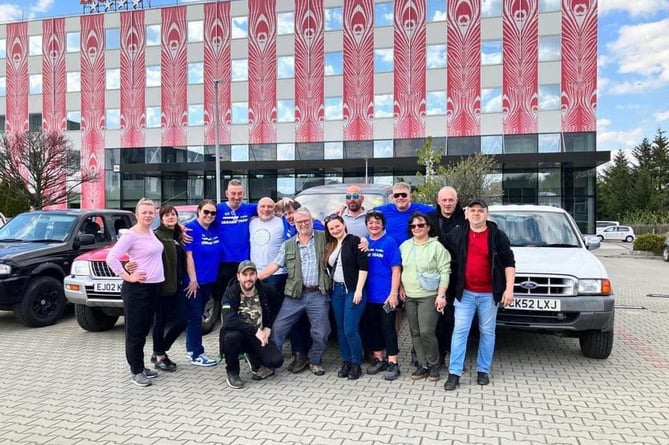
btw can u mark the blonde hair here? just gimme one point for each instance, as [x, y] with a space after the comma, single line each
[144, 202]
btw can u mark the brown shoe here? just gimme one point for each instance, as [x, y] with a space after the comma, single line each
[262, 373]
[317, 369]
[299, 363]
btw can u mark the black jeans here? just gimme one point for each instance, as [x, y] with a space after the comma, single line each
[444, 330]
[226, 272]
[170, 321]
[139, 305]
[379, 331]
[235, 342]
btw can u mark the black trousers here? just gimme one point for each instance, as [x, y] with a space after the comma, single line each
[170, 321]
[139, 305]
[226, 272]
[444, 330]
[234, 343]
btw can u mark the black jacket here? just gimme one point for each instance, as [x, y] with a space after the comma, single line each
[352, 261]
[501, 257]
[442, 225]
[230, 302]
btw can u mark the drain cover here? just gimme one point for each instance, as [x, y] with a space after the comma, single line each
[628, 306]
[658, 295]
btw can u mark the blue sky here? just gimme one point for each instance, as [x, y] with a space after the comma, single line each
[633, 84]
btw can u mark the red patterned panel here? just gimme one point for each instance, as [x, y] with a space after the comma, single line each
[262, 71]
[463, 108]
[133, 79]
[409, 53]
[174, 76]
[217, 67]
[54, 81]
[17, 86]
[520, 66]
[93, 108]
[579, 65]
[309, 70]
[358, 70]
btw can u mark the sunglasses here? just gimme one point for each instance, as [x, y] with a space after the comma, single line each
[330, 217]
[417, 226]
[209, 212]
[400, 195]
[352, 195]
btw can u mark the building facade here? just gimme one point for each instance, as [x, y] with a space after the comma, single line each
[296, 93]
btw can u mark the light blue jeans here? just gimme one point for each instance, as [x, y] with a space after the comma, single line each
[482, 304]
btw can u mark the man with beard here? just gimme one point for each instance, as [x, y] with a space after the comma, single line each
[354, 213]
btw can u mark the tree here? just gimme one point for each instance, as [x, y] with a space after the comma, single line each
[614, 190]
[42, 168]
[470, 176]
[9, 205]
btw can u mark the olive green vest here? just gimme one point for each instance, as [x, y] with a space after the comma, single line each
[293, 262]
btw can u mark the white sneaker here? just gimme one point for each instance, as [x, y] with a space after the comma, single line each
[189, 355]
[203, 360]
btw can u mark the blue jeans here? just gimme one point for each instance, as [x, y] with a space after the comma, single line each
[348, 315]
[482, 304]
[194, 311]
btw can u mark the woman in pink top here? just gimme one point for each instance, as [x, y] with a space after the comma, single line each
[141, 288]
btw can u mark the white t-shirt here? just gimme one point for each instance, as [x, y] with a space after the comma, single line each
[266, 240]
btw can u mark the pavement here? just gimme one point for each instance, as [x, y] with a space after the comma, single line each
[63, 385]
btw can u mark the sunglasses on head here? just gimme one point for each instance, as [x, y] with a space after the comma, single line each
[330, 217]
[209, 212]
[400, 195]
[417, 226]
[352, 195]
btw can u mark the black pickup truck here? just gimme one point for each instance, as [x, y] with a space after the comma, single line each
[36, 253]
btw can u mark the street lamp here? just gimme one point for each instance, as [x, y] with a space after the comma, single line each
[217, 147]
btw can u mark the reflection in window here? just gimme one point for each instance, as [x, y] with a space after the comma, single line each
[153, 35]
[196, 31]
[35, 48]
[240, 113]
[435, 103]
[240, 27]
[383, 14]
[333, 150]
[491, 52]
[152, 117]
[549, 143]
[333, 19]
[285, 186]
[35, 82]
[73, 81]
[334, 64]
[239, 153]
[35, 121]
[549, 5]
[383, 149]
[3, 86]
[3, 48]
[520, 143]
[383, 105]
[549, 48]
[195, 115]
[491, 100]
[73, 120]
[383, 60]
[113, 79]
[436, 10]
[112, 38]
[72, 42]
[113, 119]
[492, 145]
[436, 56]
[333, 108]
[549, 97]
[285, 152]
[153, 76]
[285, 110]
[285, 23]
[195, 73]
[491, 8]
[285, 68]
[240, 70]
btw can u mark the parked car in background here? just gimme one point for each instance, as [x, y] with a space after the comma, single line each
[621, 233]
[322, 200]
[665, 251]
[603, 224]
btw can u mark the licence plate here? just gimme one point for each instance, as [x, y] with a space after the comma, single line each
[534, 304]
[112, 287]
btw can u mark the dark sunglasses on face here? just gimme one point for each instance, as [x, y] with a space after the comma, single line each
[419, 226]
[400, 195]
[209, 212]
[352, 195]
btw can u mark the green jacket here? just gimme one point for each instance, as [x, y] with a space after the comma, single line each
[293, 262]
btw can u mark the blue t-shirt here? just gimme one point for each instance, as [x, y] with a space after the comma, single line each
[383, 254]
[206, 248]
[233, 229]
[397, 223]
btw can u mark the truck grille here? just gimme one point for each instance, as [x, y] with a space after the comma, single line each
[101, 270]
[544, 285]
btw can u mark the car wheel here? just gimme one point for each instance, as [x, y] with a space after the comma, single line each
[629, 239]
[601, 238]
[596, 344]
[212, 312]
[43, 303]
[94, 319]
[665, 254]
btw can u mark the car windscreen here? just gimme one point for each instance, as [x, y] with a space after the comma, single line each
[38, 227]
[542, 229]
[322, 204]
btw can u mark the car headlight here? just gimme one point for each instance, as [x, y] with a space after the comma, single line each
[80, 268]
[5, 269]
[595, 286]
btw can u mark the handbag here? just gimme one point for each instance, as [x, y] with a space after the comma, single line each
[427, 280]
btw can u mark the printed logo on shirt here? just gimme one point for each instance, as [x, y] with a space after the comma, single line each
[234, 219]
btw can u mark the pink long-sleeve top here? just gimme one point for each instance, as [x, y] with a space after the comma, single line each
[145, 250]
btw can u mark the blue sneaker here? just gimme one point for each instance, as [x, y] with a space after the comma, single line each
[203, 360]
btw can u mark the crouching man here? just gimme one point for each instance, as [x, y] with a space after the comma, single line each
[246, 326]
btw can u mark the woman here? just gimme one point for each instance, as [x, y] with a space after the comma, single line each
[348, 268]
[171, 309]
[426, 267]
[202, 260]
[141, 288]
[383, 282]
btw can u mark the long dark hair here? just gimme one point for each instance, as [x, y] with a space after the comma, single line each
[167, 209]
[330, 241]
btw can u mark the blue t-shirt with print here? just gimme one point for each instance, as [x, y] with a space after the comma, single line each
[206, 248]
[383, 254]
[397, 223]
[233, 228]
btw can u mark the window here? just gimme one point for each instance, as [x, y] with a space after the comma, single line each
[436, 56]
[285, 186]
[113, 79]
[153, 76]
[383, 105]
[285, 110]
[35, 121]
[73, 45]
[73, 120]
[3, 86]
[113, 119]
[549, 48]
[383, 60]
[491, 52]
[2, 123]
[240, 27]
[285, 67]
[285, 152]
[112, 38]
[240, 70]
[520, 143]
[153, 35]
[152, 117]
[333, 150]
[435, 103]
[491, 100]
[436, 10]
[491, 8]
[3, 49]
[549, 97]
[285, 23]
[549, 5]
[383, 149]
[334, 19]
[239, 153]
[492, 145]
[334, 64]
[240, 113]
[195, 73]
[35, 46]
[35, 82]
[333, 108]
[549, 143]
[196, 31]
[73, 81]
[195, 115]
[383, 14]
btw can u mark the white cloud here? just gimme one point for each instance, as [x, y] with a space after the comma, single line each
[662, 116]
[11, 13]
[609, 140]
[643, 50]
[636, 8]
[41, 6]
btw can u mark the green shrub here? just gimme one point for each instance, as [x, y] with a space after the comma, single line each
[650, 242]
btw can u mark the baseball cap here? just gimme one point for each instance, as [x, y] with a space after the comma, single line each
[478, 201]
[246, 264]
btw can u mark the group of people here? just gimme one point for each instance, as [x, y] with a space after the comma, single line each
[278, 275]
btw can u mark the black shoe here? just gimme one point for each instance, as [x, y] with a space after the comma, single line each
[299, 364]
[356, 372]
[393, 372]
[345, 370]
[483, 378]
[434, 373]
[166, 365]
[153, 358]
[452, 382]
[421, 372]
[378, 366]
[234, 381]
[414, 358]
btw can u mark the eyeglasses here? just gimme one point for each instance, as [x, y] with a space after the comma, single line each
[330, 217]
[302, 222]
[352, 195]
[400, 195]
[417, 226]
[209, 212]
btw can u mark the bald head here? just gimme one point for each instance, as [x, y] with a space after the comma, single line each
[354, 199]
[265, 209]
[447, 198]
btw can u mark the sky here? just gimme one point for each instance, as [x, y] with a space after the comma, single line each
[633, 63]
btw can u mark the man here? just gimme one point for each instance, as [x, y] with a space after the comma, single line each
[449, 214]
[354, 213]
[398, 212]
[307, 288]
[484, 274]
[247, 317]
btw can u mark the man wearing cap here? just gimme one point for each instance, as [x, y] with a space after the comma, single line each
[247, 318]
[484, 274]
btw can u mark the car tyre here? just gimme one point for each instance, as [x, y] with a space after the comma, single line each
[210, 316]
[43, 303]
[601, 238]
[596, 344]
[629, 239]
[94, 319]
[665, 254]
